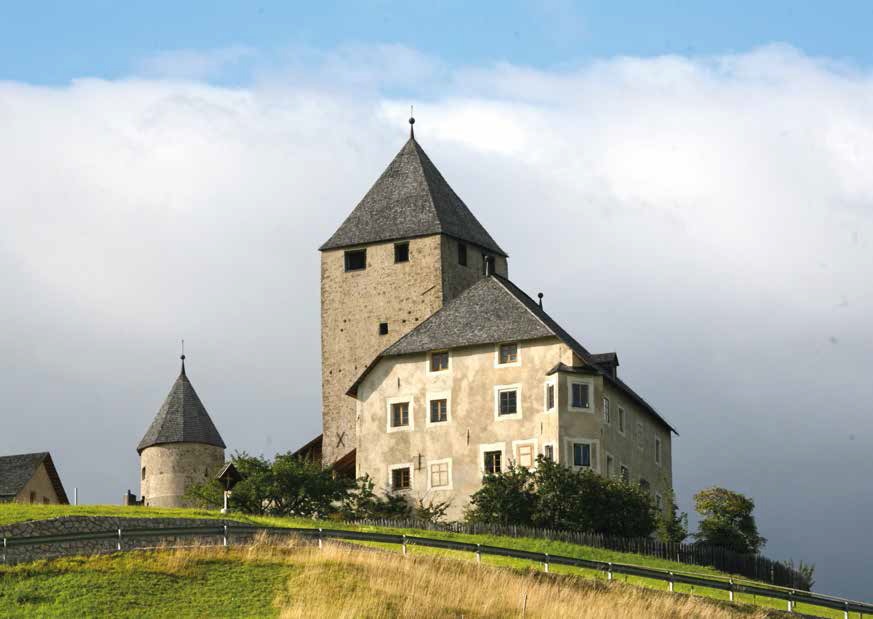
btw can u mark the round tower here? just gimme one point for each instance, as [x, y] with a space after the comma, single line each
[181, 448]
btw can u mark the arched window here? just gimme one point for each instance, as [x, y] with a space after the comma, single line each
[143, 473]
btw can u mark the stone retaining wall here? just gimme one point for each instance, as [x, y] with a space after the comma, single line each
[67, 525]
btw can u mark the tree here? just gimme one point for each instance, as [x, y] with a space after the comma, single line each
[672, 525]
[507, 498]
[727, 520]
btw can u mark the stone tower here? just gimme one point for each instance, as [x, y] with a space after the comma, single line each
[407, 248]
[181, 448]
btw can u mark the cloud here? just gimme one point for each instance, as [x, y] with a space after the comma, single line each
[196, 64]
[710, 219]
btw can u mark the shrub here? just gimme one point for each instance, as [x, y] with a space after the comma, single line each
[672, 525]
[727, 520]
[361, 502]
[506, 498]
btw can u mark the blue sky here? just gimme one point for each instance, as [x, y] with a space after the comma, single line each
[54, 42]
[712, 164]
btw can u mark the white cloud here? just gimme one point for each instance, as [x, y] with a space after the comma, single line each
[709, 218]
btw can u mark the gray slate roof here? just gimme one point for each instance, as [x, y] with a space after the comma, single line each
[182, 418]
[410, 199]
[17, 470]
[496, 310]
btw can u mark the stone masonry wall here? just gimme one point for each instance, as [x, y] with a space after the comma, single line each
[67, 525]
[170, 470]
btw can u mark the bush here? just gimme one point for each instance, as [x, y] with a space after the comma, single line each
[361, 502]
[554, 496]
[672, 526]
[727, 520]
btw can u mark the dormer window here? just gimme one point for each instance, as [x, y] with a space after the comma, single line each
[508, 354]
[401, 252]
[356, 260]
[439, 361]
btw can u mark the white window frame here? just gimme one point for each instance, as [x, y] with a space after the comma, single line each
[595, 455]
[394, 467]
[437, 372]
[606, 460]
[556, 453]
[622, 420]
[554, 385]
[438, 395]
[576, 381]
[659, 446]
[533, 451]
[518, 408]
[400, 400]
[501, 447]
[430, 475]
[515, 363]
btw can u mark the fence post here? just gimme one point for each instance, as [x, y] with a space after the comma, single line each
[791, 601]
[609, 572]
[118, 545]
[4, 550]
[478, 553]
[546, 564]
[225, 536]
[670, 583]
[320, 543]
[404, 544]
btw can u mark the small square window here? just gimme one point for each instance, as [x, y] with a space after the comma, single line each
[439, 361]
[439, 411]
[400, 478]
[549, 452]
[508, 404]
[383, 328]
[439, 475]
[462, 254]
[579, 393]
[508, 353]
[550, 396]
[401, 252]
[525, 455]
[581, 454]
[356, 260]
[400, 414]
[492, 462]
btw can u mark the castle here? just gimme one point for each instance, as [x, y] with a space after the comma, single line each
[436, 368]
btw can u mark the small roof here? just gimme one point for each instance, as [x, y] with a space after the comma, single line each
[182, 418]
[495, 310]
[410, 199]
[229, 475]
[17, 470]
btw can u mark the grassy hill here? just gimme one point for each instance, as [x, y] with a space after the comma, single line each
[16, 513]
[293, 580]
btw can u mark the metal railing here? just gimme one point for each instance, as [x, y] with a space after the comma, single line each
[732, 586]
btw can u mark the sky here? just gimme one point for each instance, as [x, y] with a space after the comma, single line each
[690, 188]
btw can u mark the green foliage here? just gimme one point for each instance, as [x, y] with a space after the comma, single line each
[507, 498]
[431, 511]
[361, 502]
[727, 520]
[672, 525]
[806, 571]
[287, 486]
[554, 496]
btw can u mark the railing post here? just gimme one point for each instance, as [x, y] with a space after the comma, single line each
[846, 611]
[404, 544]
[546, 564]
[478, 553]
[225, 536]
[4, 550]
[118, 545]
[790, 601]
[609, 572]
[731, 590]
[320, 542]
[670, 583]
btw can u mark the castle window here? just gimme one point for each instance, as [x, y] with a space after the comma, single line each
[550, 396]
[606, 418]
[507, 354]
[621, 420]
[400, 414]
[657, 451]
[441, 474]
[462, 254]
[401, 478]
[356, 260]
[508, 402]
[582, 454]
[549, 452]
[610, 466]
[492, 462]
[580, 396]
[439, 411]
[439, 361]
[524, 454]
[625, 474]
[383, 328]
[401, 252]
[143, 473]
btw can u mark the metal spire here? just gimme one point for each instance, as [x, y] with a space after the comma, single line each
[182, 357]
[411, 124]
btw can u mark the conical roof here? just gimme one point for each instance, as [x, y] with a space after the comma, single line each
[182, 418]
[410, 199]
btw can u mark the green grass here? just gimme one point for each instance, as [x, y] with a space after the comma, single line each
[17, 512]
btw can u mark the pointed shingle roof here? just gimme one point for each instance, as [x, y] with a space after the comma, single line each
[410, 199]
[17, 470]
[182, 418]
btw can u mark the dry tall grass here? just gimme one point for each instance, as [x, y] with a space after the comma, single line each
[348, 582]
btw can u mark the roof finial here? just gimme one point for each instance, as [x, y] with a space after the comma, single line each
[411, 123]
[540, 295]
[182, 357]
